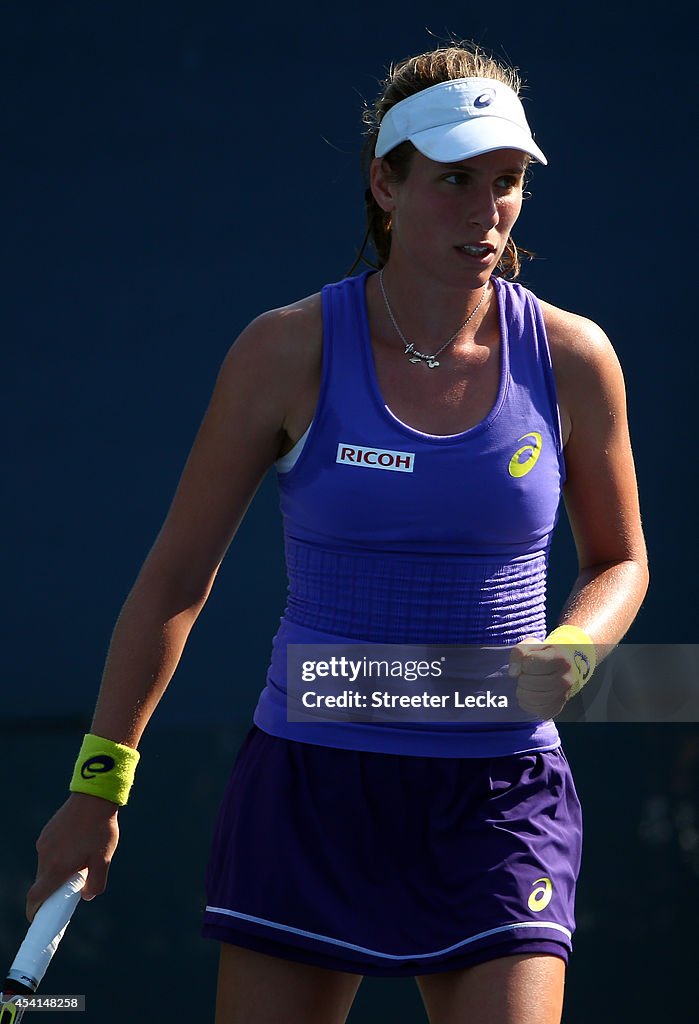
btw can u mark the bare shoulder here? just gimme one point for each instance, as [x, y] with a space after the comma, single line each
[574, 338]
[276, 363]
[586, 367]
[283, 339]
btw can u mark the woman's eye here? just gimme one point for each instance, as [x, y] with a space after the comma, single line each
[505, 182]
[508, 181]
[457, 178]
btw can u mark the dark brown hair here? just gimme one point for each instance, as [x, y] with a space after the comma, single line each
[467, 60]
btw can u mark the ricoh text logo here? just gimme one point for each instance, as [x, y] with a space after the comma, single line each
[375, 458]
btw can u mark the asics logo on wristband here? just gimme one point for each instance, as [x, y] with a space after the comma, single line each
[95, 766]
[582, 664]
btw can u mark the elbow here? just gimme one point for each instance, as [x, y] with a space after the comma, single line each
[645, 576]
[638, 572]
[174, 590]
[640, 560]
[637, 578]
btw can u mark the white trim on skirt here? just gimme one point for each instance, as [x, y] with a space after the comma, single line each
[539, 925]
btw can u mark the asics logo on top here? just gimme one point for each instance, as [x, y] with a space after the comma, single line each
[526, 457]
[375, 458]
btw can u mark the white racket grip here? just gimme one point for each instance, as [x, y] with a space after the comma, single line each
[45, 932]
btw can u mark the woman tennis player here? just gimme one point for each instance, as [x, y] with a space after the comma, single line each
[423, 420]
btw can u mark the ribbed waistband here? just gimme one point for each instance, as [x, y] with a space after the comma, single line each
[397, 598]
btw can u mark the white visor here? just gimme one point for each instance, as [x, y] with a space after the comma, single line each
[459, 119]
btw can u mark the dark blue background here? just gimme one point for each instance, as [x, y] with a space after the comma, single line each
[172, 169]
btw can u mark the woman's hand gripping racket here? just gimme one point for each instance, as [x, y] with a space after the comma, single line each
[41, 941]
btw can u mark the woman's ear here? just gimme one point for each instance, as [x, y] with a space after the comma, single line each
[382, 187]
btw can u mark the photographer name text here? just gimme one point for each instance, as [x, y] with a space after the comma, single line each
[384, 699]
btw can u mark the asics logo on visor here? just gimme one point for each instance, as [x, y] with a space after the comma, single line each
[485, 99]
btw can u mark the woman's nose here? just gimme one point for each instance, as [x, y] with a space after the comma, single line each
[484, 211]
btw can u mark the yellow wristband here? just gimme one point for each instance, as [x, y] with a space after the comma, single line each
[584, 654]
[105, 769]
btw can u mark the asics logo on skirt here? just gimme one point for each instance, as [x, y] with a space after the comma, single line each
[375, 458]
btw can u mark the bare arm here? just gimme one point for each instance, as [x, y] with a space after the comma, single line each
[601, 493]
[252, 417]
[601, 498]
[234, 447]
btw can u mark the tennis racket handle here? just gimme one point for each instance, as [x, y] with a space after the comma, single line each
[43, 936]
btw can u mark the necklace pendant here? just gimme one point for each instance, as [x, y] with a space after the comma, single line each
[410, 351]
[419, 357]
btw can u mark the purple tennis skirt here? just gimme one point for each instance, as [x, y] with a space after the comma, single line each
[384, 864]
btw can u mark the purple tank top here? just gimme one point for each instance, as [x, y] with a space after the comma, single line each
[397, 536]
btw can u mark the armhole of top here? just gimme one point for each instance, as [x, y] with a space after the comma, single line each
[285, 463]
[549, 379]
[288, 463]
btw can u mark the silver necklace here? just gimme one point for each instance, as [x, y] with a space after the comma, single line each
[410, 351]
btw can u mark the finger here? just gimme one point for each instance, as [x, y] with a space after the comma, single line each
[519, 652]
[534, 703]
[535, 696]
[44, 886]
[538, 684]
[96, 879]
[547, 661]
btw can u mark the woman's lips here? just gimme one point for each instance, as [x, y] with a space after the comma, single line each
[480, 252]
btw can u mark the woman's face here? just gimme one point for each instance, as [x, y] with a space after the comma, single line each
[453, 220]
